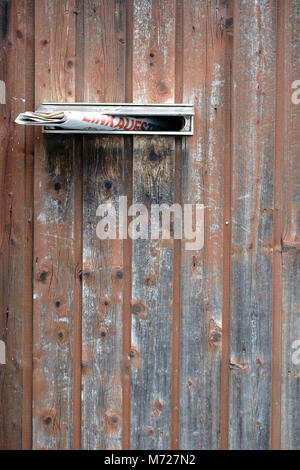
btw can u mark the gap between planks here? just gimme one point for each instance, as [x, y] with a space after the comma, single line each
[78, 228]
[127, 243]
[176, 330]
[281, 43]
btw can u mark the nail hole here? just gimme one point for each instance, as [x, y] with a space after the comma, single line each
[107, 184]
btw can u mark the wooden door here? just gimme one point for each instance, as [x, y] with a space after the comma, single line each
[143, 344]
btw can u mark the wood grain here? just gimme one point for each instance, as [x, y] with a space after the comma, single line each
[15, 226]
[143, 344]
[54, 249]
[203, 167]
[102, 299]
[152, 261]
[28, 238]
[153, 51]
[252, 229]
[103, 270]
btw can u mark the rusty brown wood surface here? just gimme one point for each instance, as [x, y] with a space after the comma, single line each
[16, 225]
[143, 344]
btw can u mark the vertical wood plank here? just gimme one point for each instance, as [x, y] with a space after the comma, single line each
[54, 247]
[15, 224]
[154, 51]
[152, 272]
[252, 237]
[290, 229]
[153, 183]
[104, 75]
[102, 298]
[203, 168]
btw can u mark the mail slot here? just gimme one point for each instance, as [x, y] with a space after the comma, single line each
[137, 119]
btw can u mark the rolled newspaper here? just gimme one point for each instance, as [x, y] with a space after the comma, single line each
[93, 121]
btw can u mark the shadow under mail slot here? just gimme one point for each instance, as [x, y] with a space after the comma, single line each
[86, 121]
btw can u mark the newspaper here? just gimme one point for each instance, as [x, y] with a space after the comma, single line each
[93, 121]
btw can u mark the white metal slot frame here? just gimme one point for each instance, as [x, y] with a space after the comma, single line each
[126, 109]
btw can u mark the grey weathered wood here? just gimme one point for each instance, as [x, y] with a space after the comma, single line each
[152, 273]
[54, 277]
[102, 276]
[252, 223]
[153, 183]
[201, 333]
[102, 279]
[54, 252]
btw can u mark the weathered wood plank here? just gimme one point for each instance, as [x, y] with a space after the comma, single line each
[54, 252]
[203, 167]
[153, 183]
[252, 229]
[152, 272]
[104, 75]
[154, 51]
[102, 299]
[290, 215]
[15, 224]
[54, 279]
